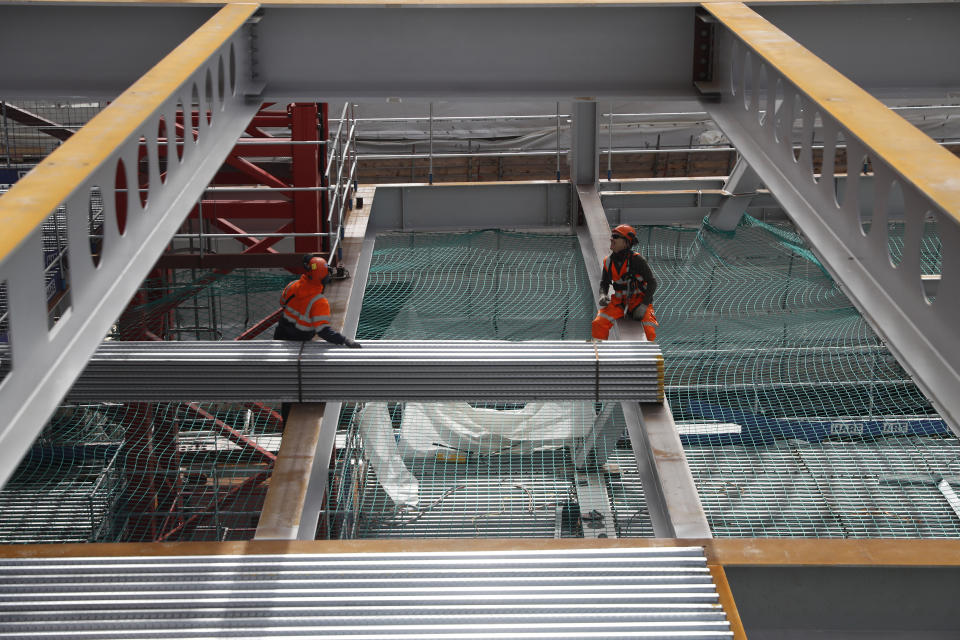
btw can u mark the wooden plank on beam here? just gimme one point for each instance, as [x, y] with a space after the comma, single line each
[283, 506]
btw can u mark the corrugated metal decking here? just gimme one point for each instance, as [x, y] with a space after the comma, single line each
[582, 593]
[276, 371]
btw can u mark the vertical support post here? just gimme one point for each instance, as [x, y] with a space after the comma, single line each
[430, 173]
[305, 172]
[6, 132]
[323, 125]
[558, 142]
[584, 157]
[610, 145]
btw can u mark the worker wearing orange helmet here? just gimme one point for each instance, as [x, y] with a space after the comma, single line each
[306, 311]
[633, 286]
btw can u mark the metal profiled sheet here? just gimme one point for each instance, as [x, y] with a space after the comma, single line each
[578, 593]
[441, 370]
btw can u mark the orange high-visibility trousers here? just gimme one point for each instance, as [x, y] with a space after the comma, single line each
[602, 324]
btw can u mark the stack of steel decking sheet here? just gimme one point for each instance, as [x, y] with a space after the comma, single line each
[277, 371]
[564, 593]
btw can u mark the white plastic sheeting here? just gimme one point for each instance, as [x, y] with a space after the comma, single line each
[427, 428]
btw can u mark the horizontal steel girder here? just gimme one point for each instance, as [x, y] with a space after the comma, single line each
[467, 52]
[771, 90]
[278, 371]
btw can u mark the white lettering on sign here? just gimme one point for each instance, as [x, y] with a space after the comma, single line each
[897, 428]
[846, 428]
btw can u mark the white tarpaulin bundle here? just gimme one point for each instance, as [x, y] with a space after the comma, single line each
[455, 426]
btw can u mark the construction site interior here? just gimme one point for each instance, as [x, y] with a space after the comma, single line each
[804, 408]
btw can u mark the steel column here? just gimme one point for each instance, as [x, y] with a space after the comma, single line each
[584, 147]
[773, 90]
[305, 169]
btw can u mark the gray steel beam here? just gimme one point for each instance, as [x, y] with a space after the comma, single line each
[467, 52]
[99, 52]
[740, 191]
[416, 370]
[671, 493]
[481, 52]
[891, 50]
[761, 69]
[211, 68]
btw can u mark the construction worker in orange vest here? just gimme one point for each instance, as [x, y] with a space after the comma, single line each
[633, 286]
[306, 311]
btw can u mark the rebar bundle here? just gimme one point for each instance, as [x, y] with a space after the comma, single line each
[454, 370]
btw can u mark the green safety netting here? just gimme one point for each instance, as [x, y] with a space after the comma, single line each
[482, 470]
[167, 471]
[795, 417]
[193, 304]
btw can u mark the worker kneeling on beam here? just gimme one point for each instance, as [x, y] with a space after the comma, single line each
[633, 286]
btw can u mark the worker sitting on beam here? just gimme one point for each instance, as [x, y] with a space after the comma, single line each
[633, 286]
[306, 311]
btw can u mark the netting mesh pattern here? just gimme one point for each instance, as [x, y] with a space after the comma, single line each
[142, 472]
[167, 471]
[795, 418]
[484, 285]
[490, 470]
[194, 304]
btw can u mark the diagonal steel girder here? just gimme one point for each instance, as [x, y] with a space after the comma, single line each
[210, 68]
[772, 91]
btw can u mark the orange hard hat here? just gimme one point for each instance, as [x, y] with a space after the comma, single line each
[316, 268]
[626, 231]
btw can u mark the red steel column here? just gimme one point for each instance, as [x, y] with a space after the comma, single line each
[324, 134]
[305, 172]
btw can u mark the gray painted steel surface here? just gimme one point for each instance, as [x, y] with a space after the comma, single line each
[671, 493]
[487, 51]
[102, 278]
[382, 370]
[588, 593]
[849, 240]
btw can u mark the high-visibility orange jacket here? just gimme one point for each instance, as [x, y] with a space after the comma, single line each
[630, 276]
[306, 312]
